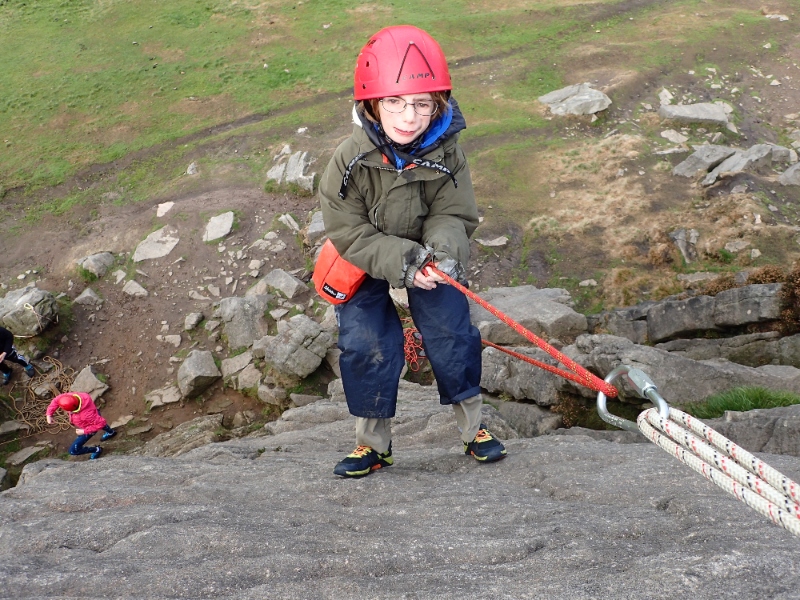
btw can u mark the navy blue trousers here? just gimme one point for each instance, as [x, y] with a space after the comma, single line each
[371, 340]
[78, 448]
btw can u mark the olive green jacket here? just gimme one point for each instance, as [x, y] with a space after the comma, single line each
[389, 221]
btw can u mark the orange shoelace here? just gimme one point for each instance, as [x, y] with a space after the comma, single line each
[361, 451]
[483, 436]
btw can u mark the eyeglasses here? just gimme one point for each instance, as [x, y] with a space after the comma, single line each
[424, 108]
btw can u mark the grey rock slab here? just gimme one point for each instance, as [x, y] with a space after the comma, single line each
[97, 264]
[87, 382]
[704, 158]
[544, 312]
[287, 284]
[28, 311]
[790, 176]
[295, 171]
[578, 99]
[679, 379]
[686, 241]
[249, 378]
[754, 158]
[299, 347]
[529, 420]
[680, 317]
[304, 399]
[197, 372]
[503, 373]
[218, 226]
[276, 172]
[316, 229]
[703, 112]
[157, 245]
[274, 395]
[21, 456]
[774, 430]
[192, 320]
[233, 365]
[13, 427]
[183, 438]
[753, 350]
[563, 517]
[242, 319]
[132, 288]
[748, 304]
[167, 395]
[88, 297]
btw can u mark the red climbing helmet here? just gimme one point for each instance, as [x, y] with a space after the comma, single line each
[400, 60]
[69, 402]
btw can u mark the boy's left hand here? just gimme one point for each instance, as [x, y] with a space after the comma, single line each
[80, 431]
[2, 356]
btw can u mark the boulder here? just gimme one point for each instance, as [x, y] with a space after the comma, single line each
[157, 245]
[218, 227]
[88, 383]
[704, 158]
[299, 347]
[748, 304]
[703, 112]
[243, 319]
[197, 372]
[97, 264]
[578, 99]
[545, 312]
[28, 311]
[680, 318]
[183, 438]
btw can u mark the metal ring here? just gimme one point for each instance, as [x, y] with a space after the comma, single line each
[644, 387]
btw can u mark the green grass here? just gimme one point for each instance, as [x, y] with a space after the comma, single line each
[103, 80]
[740, 399]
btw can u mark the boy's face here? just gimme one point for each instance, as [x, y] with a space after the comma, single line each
[407, 125]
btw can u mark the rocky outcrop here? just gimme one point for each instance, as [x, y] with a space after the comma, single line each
[264, 516]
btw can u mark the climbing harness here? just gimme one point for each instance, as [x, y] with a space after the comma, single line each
[738, 472]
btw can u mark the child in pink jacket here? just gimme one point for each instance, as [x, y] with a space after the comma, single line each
[83, 414]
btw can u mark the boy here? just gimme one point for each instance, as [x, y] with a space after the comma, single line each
[83, 414]
[397, 196]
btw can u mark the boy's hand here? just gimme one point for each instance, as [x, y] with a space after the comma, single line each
[79, 431]
[49, 420]
[2, 356]
[426, 279]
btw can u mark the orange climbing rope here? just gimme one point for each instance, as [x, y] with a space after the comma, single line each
[412, 347]
[576, 372]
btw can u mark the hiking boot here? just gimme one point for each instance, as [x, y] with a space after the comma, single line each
[363, 461]
[30, 371]
[6, 378]
[108, 435]
[96, 453]
[484, 447]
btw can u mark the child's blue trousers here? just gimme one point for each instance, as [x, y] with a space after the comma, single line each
[78, 448]
[371, 340]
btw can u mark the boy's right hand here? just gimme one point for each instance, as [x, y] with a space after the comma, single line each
[2, 356]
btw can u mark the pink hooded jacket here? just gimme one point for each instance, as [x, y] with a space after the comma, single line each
[87, 417]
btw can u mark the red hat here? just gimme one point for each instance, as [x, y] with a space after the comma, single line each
[400, 60]
[69, 402]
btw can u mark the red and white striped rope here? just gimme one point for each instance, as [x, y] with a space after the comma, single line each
[722, 462]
